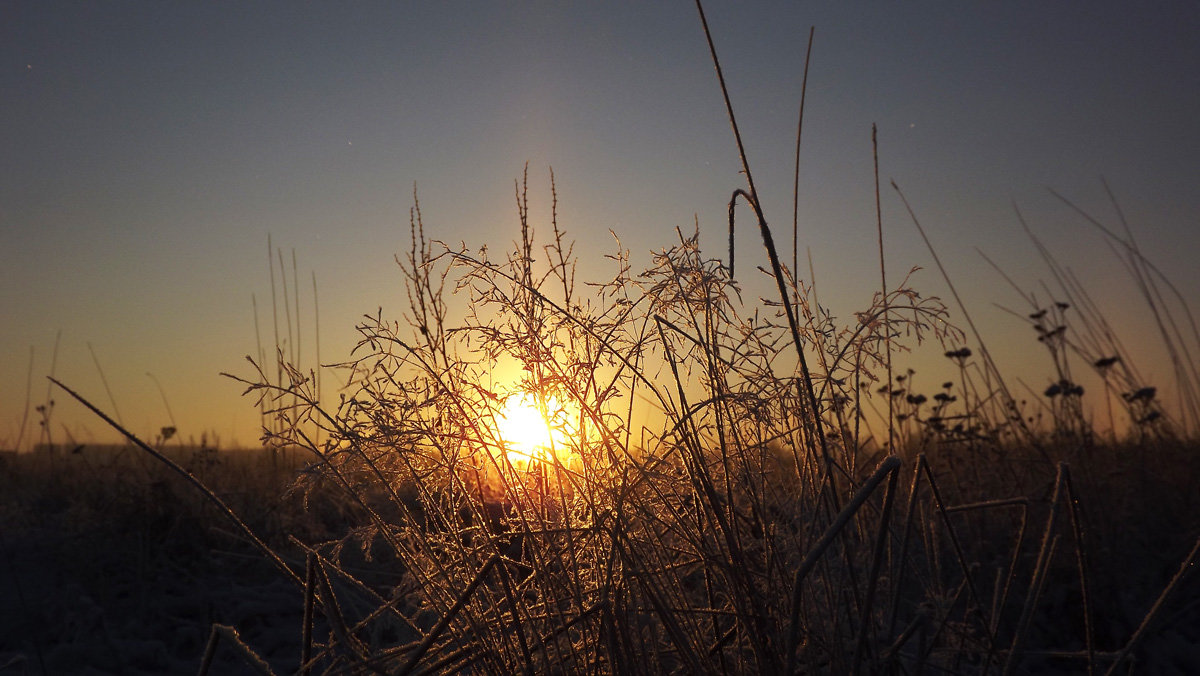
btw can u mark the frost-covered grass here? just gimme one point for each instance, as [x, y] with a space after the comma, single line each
[695, 515]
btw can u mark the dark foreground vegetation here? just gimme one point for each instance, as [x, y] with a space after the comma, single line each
[119, 566]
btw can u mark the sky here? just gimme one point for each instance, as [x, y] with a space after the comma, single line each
[148, 151]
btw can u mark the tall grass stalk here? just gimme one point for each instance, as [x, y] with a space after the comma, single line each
[28, 401]
[45, 410]
[799, 135]
[883, 286]
[104, 381]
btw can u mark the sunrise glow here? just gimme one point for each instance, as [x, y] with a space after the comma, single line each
[526, 433]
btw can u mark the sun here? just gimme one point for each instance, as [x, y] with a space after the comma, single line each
[526, 434]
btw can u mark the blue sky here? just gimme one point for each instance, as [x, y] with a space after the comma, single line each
[148, 149]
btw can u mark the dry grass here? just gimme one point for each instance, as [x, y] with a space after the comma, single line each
[729, 529]
[736, 486]
[732, 529]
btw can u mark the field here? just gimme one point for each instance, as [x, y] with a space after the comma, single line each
[112, 564]
[668, 470]
[115, 565]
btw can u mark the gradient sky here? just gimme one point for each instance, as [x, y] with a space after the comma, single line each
[148, 149]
